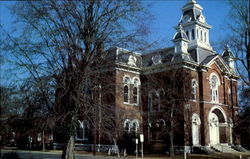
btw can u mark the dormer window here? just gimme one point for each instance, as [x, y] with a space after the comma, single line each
[214, 84]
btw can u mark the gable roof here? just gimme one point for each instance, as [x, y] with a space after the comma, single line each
[219, 61]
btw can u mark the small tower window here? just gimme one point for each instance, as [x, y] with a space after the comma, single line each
[192, 34]
[187, 34]
[201, 36]
[197, 34]
[205, 38]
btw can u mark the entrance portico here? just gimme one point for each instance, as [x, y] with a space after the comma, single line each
[217, 121]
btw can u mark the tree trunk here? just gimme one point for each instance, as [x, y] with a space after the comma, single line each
[68, 151]
[171, 136]
[171, 133]
[43, 141]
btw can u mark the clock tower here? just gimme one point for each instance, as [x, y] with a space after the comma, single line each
[195, 26]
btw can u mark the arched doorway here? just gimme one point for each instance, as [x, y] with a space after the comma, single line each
[217, 126]
[214, 129]
[196, 122]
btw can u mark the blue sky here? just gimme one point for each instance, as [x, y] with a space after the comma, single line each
[166, 15]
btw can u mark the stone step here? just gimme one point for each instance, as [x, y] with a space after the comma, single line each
[224, 148]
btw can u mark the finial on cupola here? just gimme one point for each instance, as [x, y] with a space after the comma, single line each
[180, 40]
[227, 55]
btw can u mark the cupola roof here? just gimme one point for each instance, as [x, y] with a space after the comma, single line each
[180, 34]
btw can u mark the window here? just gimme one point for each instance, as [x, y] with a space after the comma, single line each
[192, 34]
[197, 34]
[127, 125]
[39, 136]
[214, 83]
[51, 137]
[161, 98]
[229, 95]
[205, 38]
[155, 101]
[201, 35]
[131, 126]
[135, 90]
[126, 94]
[82, 130]
[135, 95]
[134, 126]
[187, 34]
[194, 89]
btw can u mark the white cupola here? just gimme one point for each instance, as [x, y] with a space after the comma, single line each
[227, 55]
[195, 26]
[180, 40]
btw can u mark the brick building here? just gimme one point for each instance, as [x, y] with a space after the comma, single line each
[207, 97]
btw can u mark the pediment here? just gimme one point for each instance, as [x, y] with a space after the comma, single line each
[220, 64]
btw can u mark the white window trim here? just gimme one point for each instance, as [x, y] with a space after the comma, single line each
[194, 84]
[150, 105]
[138, 89]
[129, 123]
[83, 124]
[136, 121]
[128, 85]
[159, 91]
[214, 90]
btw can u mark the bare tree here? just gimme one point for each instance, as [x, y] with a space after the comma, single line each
[166, 107]
[65, 41]
[239, 37]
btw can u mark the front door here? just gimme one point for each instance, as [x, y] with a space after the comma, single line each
[195, 134]
[214, 129]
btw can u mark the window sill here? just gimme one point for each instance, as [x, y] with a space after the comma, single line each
[131, 104]
[78, 139]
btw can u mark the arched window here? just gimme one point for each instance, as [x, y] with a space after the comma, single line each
[229, 96]
[127, 123]
[161, 99]
[194, 89]
[126, 94]
[134, 126]
[135, 95]
[214, 84]
[136, 87]
[155, 101]
[82, 130]
[196, 122]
